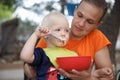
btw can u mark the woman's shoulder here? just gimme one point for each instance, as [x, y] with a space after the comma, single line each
[99, 37]
[96, 34]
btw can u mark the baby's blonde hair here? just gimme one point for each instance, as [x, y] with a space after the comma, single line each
[52, 18]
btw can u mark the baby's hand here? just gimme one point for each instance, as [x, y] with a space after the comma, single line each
[105, 73]
[108, 73]
[42, 31]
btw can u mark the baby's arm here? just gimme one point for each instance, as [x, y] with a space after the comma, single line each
[27, 53]
[103, 73]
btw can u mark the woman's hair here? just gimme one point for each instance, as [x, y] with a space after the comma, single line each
[52, 18]
[98, 3]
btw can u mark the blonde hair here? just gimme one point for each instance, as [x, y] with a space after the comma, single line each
[52, 18]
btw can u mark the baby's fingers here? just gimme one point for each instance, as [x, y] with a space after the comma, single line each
[108, 71]
[42, 31]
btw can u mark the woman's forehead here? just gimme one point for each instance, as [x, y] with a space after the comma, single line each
[90, 11]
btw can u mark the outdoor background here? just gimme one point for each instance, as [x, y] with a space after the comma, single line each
[19, 18]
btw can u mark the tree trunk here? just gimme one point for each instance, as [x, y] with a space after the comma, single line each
[63, 2]
[111, 28]
[8, 40]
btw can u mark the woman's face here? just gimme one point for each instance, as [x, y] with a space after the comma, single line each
[86, 18]
[61, 31]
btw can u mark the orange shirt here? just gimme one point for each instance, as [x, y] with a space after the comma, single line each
[87, 46]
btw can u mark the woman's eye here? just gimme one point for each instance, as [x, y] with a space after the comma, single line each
[79, 15]
[90, 22]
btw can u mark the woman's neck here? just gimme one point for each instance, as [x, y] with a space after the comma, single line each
[74, 37]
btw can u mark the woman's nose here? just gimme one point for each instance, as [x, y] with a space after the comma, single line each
[82, 22]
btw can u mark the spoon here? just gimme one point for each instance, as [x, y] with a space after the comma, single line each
[54, 36]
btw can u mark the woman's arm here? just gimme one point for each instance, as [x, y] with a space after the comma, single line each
[102, 60]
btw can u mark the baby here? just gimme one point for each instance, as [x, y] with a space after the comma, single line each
[55, 31]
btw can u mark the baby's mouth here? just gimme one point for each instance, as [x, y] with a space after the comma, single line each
[63, 40]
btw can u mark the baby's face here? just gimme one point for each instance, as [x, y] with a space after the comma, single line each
[59, 34]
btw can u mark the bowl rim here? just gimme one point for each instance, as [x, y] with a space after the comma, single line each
[74, 57]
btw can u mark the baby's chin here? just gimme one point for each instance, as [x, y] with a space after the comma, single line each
[61, 44]
[64, 41]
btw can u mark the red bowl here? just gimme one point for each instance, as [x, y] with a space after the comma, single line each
[78, 63]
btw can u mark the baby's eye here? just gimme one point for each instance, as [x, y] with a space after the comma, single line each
[67, 30]
[57, 29]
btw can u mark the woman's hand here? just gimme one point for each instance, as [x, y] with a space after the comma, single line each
[78, 75]
[29, 71]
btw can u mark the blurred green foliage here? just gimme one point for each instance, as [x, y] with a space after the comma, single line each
[5, 12]
[8, 3]
[6, 8]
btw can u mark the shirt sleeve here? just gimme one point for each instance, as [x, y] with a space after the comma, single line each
[101, 41]
[41, 43]
[37, 56]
